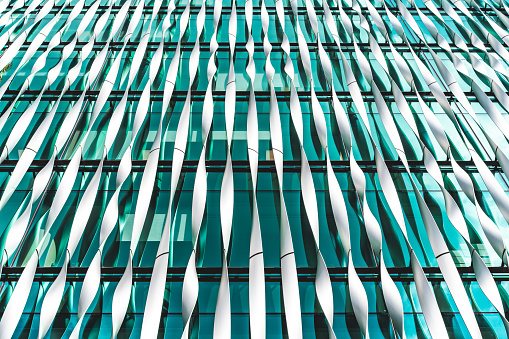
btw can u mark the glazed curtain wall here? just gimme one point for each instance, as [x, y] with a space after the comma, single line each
[263, 169]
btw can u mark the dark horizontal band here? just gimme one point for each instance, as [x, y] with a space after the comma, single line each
[282, 95]
[241, 46]
[242, 273]
[271, 9]
[243, 165]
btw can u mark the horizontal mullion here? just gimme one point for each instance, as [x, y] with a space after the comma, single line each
[276, 46]
[304, 96]
[270, 9]
[242, 273]
[243, 165]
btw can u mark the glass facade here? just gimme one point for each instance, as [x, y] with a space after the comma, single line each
[254, 169]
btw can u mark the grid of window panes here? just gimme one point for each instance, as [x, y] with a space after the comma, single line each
[110, 109]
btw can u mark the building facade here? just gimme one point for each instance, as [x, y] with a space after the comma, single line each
[254, 169]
